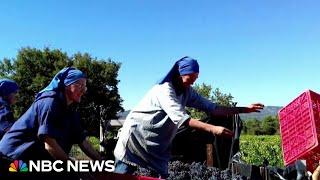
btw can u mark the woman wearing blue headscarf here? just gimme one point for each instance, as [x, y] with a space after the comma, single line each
[49, 128]
[149, 129]
[8, 91]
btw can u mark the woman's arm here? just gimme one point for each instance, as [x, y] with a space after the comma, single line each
[215, 130]
[54, 149]
[222, 110]
[89, 151]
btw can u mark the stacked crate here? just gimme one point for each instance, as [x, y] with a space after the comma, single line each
[300, 129]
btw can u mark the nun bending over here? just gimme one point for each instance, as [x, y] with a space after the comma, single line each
[49, 128]
[150, 127]
[8, 91]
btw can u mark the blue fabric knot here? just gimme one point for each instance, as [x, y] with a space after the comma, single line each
[7, 87]
[184, 66]
[63, 78]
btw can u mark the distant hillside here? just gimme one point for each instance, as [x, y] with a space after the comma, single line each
[267, 111]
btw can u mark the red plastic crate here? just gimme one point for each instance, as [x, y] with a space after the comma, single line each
[300, 129]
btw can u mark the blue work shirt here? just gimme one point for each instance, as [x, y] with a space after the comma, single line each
[6, 118]
[48, 116]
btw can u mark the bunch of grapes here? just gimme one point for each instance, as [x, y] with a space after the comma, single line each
[194, 171]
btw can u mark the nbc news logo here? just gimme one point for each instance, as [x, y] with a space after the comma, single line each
[57, 166]
[18, 166]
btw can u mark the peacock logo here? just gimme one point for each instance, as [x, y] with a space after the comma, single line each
[18, 166]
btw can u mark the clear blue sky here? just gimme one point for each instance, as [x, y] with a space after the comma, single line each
[259, 51]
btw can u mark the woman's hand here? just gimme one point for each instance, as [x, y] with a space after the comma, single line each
[256, 107]
[215, 130]
[220, 131]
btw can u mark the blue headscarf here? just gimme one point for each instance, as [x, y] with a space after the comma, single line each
[63, 78]
[184, 66]
[7, 87]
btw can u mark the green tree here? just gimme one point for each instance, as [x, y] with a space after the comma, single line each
[216, 96]
[222, 98]
[252, 127]
[270, 125]
[6, 68]
[33, 69]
